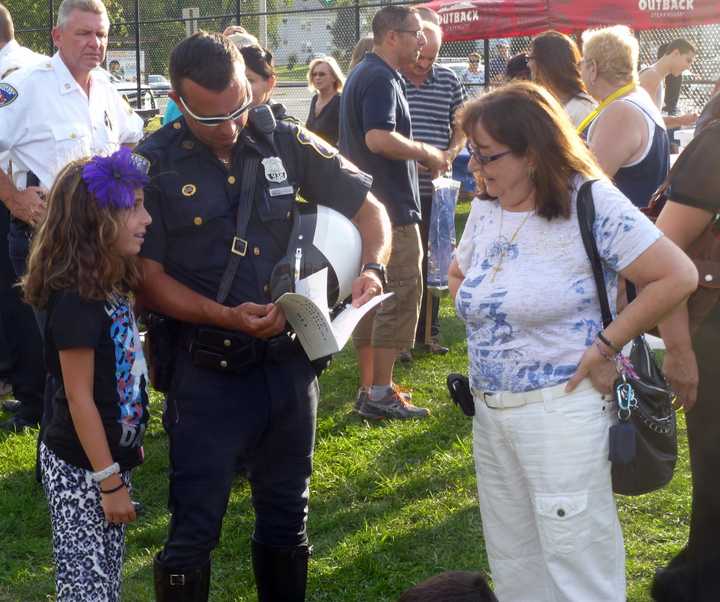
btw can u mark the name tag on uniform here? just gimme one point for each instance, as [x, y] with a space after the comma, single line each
[280, 190]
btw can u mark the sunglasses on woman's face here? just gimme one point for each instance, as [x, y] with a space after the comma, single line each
[485, 159]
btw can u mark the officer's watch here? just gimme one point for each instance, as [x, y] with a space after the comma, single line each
[379, 268]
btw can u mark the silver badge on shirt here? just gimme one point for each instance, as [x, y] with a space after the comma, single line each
[274, 170]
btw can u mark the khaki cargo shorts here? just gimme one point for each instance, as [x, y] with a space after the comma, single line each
[393, 324]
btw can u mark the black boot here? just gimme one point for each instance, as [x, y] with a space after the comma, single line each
[280, 572]
[191, 585]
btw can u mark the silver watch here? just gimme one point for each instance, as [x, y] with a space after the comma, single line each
[103, 474]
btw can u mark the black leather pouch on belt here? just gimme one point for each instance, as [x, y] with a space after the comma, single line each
[160, 349]
[223, 351]
[226, 351]
[461, 394]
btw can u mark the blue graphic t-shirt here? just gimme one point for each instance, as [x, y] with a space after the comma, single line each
[120, 375]
[529, 300]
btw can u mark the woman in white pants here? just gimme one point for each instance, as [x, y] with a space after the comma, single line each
[540, 366]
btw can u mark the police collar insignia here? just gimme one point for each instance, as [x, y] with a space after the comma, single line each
[322, 148]
[274, 170]
[113, 180]
[7, 94]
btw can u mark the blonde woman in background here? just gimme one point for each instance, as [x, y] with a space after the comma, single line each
[326, 79]
[626, 132]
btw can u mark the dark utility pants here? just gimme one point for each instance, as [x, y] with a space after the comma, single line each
[265, 419]
[27, 373]
[703, 427]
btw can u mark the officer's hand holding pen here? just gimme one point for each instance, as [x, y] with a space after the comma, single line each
[366, 286]
[28, 205]
[261, 321]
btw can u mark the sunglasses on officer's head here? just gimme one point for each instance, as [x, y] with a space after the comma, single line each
[216, 121]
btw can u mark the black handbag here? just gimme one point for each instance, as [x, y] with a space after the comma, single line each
[643, 444]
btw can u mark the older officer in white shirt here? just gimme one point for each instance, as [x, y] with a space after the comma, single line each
[59, 110]
[12, 55]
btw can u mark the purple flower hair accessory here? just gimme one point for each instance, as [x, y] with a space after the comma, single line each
[113, 180]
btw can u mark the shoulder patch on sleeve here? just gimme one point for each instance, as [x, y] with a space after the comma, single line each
[8, 94]
[322, 148]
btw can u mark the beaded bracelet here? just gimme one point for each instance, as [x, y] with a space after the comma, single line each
[604, 339]
[113, 490]
[609, 358]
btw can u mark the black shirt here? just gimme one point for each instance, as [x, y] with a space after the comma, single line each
[695, 177]
[119, 380]
[327, 123]
[193, 200]
[374, 99]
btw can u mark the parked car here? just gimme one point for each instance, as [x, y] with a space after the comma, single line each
[159, 84]
[128, 90]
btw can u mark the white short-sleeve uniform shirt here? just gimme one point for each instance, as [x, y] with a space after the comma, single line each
[528, 327]
[47, 120]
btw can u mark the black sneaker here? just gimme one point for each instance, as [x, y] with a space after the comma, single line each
[16, 424]
[11, 406]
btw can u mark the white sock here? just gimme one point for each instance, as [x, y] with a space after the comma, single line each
[377, 392]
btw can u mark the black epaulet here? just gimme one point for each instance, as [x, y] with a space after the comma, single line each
[157, 144]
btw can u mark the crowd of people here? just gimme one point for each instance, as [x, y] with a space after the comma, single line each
[185, 227]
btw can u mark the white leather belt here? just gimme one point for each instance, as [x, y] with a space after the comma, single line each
[500, 400]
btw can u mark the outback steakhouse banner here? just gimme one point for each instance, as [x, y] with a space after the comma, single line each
[478, 19]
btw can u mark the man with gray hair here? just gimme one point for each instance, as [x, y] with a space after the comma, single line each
[51, 113]
[12, 55]
[434, 94]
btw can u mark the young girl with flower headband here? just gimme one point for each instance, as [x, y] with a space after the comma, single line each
[80, 272]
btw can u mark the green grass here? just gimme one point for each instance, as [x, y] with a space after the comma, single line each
[391, 503]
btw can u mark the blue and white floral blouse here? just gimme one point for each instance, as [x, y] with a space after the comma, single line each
[529, 322]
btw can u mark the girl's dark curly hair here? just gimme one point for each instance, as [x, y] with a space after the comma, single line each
[74, 246]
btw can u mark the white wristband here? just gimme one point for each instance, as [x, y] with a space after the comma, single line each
[103, 474]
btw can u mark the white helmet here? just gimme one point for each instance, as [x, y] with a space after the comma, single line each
[321, 237]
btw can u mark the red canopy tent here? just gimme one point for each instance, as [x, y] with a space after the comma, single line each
[489, 19]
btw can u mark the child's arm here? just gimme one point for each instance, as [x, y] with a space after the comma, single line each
[78, 370]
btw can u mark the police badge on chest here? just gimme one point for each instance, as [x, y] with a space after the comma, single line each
[276, 177]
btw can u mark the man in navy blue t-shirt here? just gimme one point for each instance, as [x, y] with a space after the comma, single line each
[376, 134]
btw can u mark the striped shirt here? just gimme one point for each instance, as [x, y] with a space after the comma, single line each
[432, 111]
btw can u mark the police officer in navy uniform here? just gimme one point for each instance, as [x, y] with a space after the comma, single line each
[241, 388]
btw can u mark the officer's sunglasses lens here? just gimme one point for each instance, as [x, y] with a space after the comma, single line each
[216, 121]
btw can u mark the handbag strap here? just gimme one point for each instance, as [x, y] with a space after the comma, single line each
[239, 245]
[586, 218]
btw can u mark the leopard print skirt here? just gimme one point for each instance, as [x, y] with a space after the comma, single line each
[88, 551]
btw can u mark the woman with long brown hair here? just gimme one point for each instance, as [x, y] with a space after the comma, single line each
[554, 62]
[540, 364]
[81, 271]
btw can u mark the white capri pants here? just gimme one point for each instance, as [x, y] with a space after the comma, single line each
[549, 518]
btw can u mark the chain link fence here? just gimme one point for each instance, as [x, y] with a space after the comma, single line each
[144, 32]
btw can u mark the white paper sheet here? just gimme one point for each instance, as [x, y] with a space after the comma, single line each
[310, 318]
